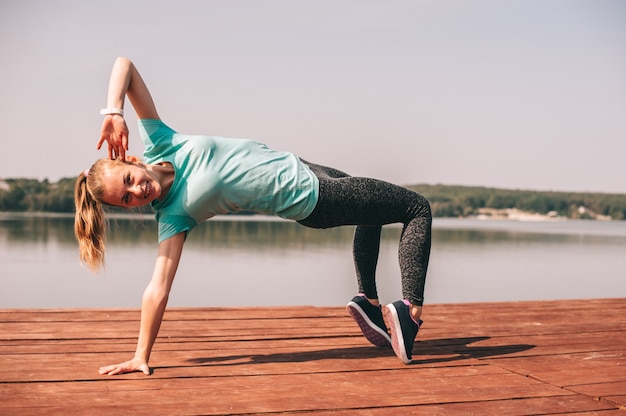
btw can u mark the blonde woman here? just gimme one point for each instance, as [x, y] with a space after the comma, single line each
[189, 178]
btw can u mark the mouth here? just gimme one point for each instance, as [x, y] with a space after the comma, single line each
[148, 190]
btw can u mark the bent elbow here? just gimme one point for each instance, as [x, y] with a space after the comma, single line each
[123, 60]
[155, 295]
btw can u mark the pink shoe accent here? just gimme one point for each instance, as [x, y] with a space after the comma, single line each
[407, 303]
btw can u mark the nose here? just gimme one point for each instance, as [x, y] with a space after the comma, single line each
[136, 189]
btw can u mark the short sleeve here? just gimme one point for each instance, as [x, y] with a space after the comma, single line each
[170, 225]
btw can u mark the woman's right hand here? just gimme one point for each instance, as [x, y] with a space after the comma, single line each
[136, 364]
[115, 132]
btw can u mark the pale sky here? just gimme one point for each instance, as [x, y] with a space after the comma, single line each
[522, 94]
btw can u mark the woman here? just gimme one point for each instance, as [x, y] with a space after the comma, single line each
[189, 179]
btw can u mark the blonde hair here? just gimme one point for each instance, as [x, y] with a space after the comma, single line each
[89, 221]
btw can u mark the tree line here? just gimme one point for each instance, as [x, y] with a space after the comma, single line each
[32, 195]
[464, 201]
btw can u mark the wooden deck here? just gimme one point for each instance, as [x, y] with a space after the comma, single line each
[527, 358]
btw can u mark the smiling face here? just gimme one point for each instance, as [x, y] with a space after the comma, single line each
[129, 185]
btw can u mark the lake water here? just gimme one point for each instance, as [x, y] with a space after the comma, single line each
[258, 262]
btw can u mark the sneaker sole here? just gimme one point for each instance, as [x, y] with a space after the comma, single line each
[372, 332]
[397, 340]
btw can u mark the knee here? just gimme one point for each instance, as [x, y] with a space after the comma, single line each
[421, 207]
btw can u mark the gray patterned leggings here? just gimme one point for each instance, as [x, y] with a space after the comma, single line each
[369, 204]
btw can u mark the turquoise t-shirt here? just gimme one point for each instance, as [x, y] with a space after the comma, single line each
[217, 175]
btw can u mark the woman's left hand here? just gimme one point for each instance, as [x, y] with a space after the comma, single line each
[115, 132]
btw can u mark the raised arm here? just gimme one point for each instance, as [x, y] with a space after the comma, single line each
[125, 81]
[153, 306]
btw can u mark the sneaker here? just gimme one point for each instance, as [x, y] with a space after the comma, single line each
[370, 320]
[403, 329]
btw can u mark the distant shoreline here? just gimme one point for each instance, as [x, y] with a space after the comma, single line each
[518, 215]
[446, 201]
[501, 215]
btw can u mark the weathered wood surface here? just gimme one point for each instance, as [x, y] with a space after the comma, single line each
[521, 358]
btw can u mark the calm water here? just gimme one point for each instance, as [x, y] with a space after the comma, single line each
[262, 262]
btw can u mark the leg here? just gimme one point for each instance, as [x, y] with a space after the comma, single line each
[369, 204]
[365, 252]
[366, 244]
[373, 203]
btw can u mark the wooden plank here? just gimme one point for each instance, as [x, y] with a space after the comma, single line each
[602, 390]
[567, 370]
[177, 314]
[276, 393]
[288, 360]
[558, 405]
[618, 401]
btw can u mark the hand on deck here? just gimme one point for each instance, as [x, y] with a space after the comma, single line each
[136, 364]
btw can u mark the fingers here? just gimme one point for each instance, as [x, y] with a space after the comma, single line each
[108, 370]
[115, 369]
[118, 150]
[115, 132]
[112, 370]
[121, 149]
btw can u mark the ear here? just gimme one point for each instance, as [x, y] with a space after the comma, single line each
[134, 160]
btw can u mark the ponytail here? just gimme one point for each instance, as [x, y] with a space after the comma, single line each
[89, 221]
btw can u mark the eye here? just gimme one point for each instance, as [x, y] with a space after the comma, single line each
[126, 197]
